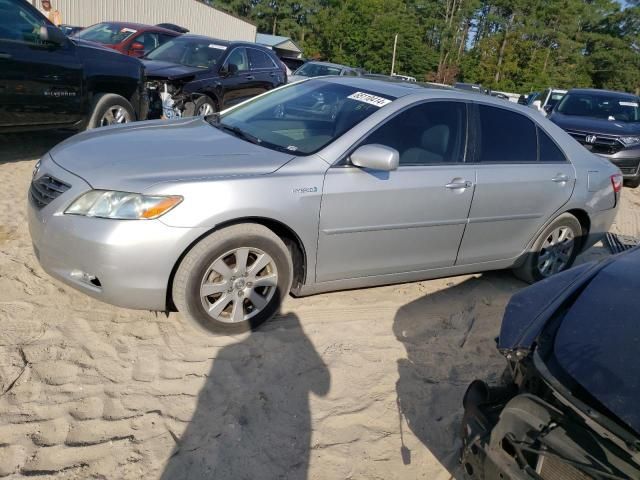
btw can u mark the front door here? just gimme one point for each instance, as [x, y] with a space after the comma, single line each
[411, 219]
[523, 180]
[40, 84]
[240, 84]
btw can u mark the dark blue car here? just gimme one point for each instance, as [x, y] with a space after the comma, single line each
[568, 406]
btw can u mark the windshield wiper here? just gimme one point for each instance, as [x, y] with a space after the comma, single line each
[214, 120]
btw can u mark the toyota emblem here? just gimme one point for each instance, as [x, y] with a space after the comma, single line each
[590, 139]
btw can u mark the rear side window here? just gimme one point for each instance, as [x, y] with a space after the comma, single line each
[549, 151]
[506, 136]
[427, 134]
[259, 60]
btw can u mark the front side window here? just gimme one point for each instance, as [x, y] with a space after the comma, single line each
[427, 134]
[506, 136]
[239, 58]
[259, 60]
[148, 40]
[601, 106]
[107, 33]
[302, 118]
[19, 23]
[191, 52]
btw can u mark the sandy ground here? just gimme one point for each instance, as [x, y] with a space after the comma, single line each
[352, 385]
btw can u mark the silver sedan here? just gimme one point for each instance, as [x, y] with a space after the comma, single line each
[326, 184]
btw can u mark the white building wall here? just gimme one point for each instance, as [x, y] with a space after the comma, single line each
[195, 16]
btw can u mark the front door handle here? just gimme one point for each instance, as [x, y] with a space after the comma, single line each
[458, 185]
[249, 77]
[561, 178]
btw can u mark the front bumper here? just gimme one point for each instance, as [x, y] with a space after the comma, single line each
[124, 263]
[628, 161]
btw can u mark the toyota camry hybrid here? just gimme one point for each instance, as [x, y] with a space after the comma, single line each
[326, 184]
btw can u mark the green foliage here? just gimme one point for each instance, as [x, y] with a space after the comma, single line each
[514, 45]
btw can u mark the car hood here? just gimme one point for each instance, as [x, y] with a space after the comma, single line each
[168, 70]
[134, 157]
[594, 125]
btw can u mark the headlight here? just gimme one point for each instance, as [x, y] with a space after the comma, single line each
[628, 141]
[122, 205]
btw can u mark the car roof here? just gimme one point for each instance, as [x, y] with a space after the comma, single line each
[329, 64]
[399, 89]
[596, 91]
[142, 26]
[227, 43]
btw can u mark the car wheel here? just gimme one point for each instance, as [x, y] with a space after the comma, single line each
[234, 279]
[633, 183]
[204, 106]
[554, 250]
[110, 109]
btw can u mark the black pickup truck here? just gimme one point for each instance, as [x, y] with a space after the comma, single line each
[50, 81]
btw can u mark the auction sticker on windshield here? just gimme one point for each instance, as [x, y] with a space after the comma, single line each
[370, 99]
[218, 47]
[628, 104]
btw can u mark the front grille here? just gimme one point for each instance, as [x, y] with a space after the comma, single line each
[551, 468]
[46, 189]
[604, 144]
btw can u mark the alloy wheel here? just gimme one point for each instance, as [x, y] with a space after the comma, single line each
[204, 110]
[115, 115]
[556, 251]
[238, 285]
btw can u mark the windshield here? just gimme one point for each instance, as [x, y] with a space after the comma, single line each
[317, 70]
[607, 107]
[191, 52]
[106, 33]
[302, 118]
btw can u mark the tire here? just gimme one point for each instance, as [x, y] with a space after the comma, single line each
[558, 257]
[105, 106]
[204, 106]
[234, 288]
[633, 183]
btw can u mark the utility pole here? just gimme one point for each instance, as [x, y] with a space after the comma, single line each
[393, 59]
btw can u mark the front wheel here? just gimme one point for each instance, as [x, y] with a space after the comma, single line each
[233, 280]
[554, 250]
[204, 106]
[110, 109]
[633, 183]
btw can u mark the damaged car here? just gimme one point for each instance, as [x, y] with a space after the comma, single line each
[567, 407]
[193, 75]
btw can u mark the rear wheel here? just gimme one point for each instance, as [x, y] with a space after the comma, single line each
[110, 109]
[554, 250]
[233, 280]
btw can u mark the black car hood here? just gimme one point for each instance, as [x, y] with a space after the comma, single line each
[595, 125]
[168, 70]
[598, 339]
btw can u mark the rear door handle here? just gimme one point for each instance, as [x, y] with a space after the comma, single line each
[561, 178]
[5, 55]
[458, 185]
[249, 77]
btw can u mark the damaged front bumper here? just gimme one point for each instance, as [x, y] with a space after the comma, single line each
[167, 100]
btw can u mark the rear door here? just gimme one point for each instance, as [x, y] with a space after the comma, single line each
[523, 179]
[412, 219]
[266, 73]
[40, 83]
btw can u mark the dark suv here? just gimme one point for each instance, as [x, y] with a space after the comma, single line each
[197, 75]
[50, 81]
[606, 123]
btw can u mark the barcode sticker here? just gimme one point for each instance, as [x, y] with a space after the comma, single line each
[370, 99]
[629, 104]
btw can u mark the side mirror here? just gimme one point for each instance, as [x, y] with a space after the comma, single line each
[53, 35]
[548, 109]
[232, 68]
[136, 49]
[537, 104]
[376, 157]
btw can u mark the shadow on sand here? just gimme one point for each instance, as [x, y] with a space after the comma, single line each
[16, 147]
[253, 418]
[448, 347]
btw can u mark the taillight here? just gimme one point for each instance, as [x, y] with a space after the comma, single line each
[616, 182]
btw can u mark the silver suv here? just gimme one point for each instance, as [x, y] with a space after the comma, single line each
[322, 185]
